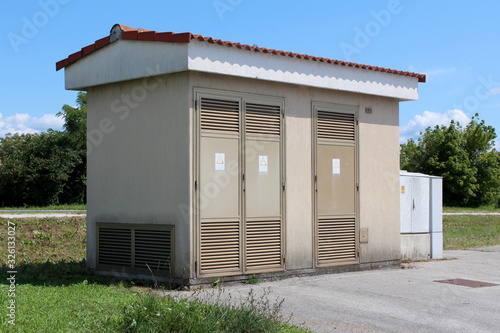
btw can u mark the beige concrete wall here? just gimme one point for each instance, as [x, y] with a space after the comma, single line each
[138, 158]
[379, 164]
[379, 179]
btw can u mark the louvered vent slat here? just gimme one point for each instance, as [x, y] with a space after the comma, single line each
[153, 247]
[220, 249]
[263, 244]
[219, 115]
[115, 247]
[336, 126]
[336, 239]
[262, 119]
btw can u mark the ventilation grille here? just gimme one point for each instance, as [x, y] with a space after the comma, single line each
[336, 239]
[263, 244]
[133, 246]
[115, 247]
[336, 126]
[153, 249]
[220, 246]
[262, 119]
[219, 115]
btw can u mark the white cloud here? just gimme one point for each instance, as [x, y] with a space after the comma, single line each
[24, 123]
[494, 91]
[420, 122]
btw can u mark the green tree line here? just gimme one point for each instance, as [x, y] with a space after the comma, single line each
[47, 168]
[464, 156]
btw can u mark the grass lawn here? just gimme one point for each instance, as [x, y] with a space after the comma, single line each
[482, 209]
[46, 208]
[54, 292]
[465, 231]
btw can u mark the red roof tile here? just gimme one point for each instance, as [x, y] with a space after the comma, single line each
[129, 33]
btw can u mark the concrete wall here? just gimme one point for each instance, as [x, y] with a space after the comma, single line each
[138, 158]
[378, 164]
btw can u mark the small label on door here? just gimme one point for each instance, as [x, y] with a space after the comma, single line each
[402, 189]
[220, 161]
[262, 163]
[336, 166]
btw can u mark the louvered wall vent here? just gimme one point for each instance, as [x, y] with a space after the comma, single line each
[336, 239]
[135, 246]
[336, 126]
[263, 240]
[219, 115]
[262, 119]
[220, 246]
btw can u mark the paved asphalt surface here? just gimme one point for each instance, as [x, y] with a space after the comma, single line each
[394, 300]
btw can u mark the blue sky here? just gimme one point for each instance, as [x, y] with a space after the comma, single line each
[456, 43]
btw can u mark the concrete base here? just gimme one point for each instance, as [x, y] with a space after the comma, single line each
[415, 246]
[272, 276]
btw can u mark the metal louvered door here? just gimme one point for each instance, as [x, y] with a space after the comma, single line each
[263, 187]
[240, 186]
[219, 188]
[335, 185]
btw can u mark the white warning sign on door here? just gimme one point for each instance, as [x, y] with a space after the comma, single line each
[336, 166]
[220, 161]
[262, 163]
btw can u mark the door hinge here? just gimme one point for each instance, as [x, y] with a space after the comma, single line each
[283, 184]
[196, 266]
[283, 260]
[196, 185]
[357, 187]
[196, 104]
[316, 178]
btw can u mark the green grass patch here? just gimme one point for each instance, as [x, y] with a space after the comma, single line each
[482, 209]
[55, 292]
[47, 208]
[466, 231]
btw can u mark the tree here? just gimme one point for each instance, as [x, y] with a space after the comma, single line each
[35, 168]
[75, 126]
[464, 156]
[47, 168]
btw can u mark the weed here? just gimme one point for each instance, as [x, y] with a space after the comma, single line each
[253, 279]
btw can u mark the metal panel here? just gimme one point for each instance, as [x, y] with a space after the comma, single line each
[335, 184]
[219, 178]
[336, 239]
[219, 115]
[336, 180]
[153, 249]
[220, 246]
[336, 126]
[240, 171]
[263, 244]
[141, 247]
[406, 203]
[421, 204]
[262, 119]
[263, 179]
[115, 247]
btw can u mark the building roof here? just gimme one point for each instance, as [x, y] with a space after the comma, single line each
[123, 32]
